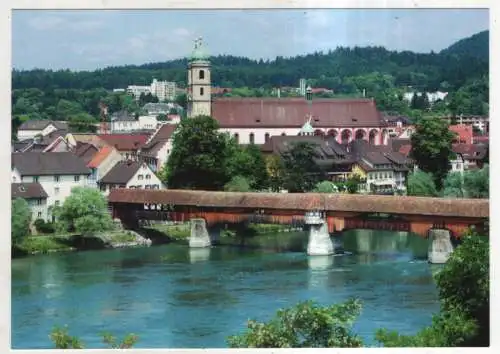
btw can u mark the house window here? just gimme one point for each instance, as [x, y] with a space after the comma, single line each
[148, 176]
[237, 137]
[147, 186]
[39, 202]
[252, 138]
[202, 91]
[77, 178]
[140, 177]
[56, 178]
[266, 137]
[35, 178]
[56, 190]
[14, 178]
[201, 75]
[57, 202]
[39, 215]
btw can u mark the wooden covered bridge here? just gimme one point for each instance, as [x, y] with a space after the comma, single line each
[341, 211]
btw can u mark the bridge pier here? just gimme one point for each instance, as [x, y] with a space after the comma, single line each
[199, 237]
[440, 246]
[319, 243]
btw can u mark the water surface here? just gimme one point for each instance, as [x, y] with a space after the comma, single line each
[172, 296]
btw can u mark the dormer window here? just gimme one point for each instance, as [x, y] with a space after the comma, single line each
[257, 120]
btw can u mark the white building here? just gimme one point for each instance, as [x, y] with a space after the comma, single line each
[35, 196]
[158, 147]
[129, 174]
[32, 128]
[431, 96]
[164, 90]
[57, 172]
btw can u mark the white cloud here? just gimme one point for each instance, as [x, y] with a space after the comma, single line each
[46, 23]
[182, 32]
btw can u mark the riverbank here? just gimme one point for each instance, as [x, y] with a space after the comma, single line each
[52, 243]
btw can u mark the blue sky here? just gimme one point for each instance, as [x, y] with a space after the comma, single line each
[90, 39]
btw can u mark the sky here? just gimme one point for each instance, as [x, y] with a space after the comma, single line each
[92, 39]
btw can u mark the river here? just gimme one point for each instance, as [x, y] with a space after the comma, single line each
[174, 297]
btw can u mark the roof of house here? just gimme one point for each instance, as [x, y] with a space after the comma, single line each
[122, 116]
[100, 156]
[471, 151]
[464, 132]
[27, 190]
[88, 138]
[48, 163]
[292, 112]
[121, 173]
[125, 142]
[85, 151]
[40, 124]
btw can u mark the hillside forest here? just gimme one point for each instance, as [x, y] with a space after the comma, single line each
[462, 70]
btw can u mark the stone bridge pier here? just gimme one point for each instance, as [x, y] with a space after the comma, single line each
[319, 243]
[440, 246]
[199, 238]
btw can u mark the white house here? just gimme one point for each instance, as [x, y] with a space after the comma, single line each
[57, 172]
[32, 128]
[123, 121]
[148, 122]
[36, 197]
[129, 174]
[158, 147]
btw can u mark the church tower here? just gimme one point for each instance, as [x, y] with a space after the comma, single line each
[199, 85]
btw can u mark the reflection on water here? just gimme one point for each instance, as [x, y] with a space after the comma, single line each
[173, 296]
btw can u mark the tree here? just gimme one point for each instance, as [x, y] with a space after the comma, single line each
[301, 172]
[237, 184]
[247, 161]
[305, 325]
[421, 184]
[453, 185]
[181, 100]
[20, 219]
[275, 171]
[432, 147]
[84, 211]
[325, 187]
[199, 157]
[82, 123]
[477, 183]
[62, 340]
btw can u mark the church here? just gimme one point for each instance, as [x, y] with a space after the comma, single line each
[255, 120]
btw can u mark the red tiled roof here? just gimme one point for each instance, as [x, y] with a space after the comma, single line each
[125, 142]
[292, 112]
[100, 156]
[464, 132]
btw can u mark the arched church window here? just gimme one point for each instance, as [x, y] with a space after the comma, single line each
[252, 138]
[237, 137]
[266, 137]
[201, 75]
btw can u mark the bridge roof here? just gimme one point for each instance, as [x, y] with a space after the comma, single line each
[468, 208]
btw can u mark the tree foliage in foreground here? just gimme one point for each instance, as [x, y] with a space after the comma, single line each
[306, 325]
[62, 340]
[20, 220]
[84, 211]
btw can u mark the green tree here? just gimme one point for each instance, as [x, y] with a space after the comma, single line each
[325, 187]
[432, 147]
[477, 183]
[301, 172]
[453, 185]
[421, 184]
[63, 340]
[20, 219]
[84, 211]
[82, 123]
[247, 161]
[305, 325]
[199, 157]
[181, 100]
[237, 184]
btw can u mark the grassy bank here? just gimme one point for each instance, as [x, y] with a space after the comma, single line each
[43, 244]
